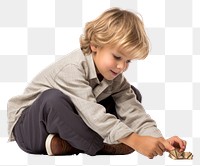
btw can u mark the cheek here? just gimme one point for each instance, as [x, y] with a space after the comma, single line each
[107, 62]
[110, 64]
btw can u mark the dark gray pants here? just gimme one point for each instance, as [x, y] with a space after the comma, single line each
[53, 112]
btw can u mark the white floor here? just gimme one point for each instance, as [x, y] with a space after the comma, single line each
[11, 154]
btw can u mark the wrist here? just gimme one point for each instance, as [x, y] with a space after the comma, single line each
[131, 140]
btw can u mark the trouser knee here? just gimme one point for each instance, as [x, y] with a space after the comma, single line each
[55, 99]
[53, 96]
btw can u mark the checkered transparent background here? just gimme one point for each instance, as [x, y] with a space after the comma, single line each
[34, 33]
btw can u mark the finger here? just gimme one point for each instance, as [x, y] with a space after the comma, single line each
[168, 146]
[155, 153]
[185, 143]
[161, 149]
[181, 143]
[151, 156]
[159, 152]
[182, 149]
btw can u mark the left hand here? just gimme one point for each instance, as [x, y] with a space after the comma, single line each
[176, 142]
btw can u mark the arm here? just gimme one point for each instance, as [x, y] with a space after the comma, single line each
[146, 138]
[76, 85]
[131, 112]
[151, 146]
[146, 145]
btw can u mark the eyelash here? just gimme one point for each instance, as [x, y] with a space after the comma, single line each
[116, 57]
[129, 61]
[119, 58]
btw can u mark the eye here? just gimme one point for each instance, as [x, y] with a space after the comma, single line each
[128, 61]
[116, 57]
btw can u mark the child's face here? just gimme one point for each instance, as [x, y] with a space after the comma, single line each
[109, 62]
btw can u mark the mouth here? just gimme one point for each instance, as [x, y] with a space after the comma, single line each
[114, 73]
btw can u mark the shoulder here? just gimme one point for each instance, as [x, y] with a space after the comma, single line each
[120, 79]
[74, 61]
[75, 56]
[120, 82]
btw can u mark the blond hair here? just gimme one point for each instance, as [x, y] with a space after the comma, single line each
[117, 28]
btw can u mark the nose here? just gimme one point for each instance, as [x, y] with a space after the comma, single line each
[122, 66]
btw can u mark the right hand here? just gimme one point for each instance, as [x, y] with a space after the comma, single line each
[147, 145]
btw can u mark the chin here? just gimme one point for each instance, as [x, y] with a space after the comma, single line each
[110, 79]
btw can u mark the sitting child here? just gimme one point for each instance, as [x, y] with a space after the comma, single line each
[83, 104]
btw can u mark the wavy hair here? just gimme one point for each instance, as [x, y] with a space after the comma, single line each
[119, 29]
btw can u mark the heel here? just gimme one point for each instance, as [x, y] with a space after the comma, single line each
[48, 144]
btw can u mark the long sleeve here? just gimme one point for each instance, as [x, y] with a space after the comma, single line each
[131, 112]
[76, 86]
[75, 75]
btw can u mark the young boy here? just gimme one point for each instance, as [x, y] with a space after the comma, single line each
[83, 104]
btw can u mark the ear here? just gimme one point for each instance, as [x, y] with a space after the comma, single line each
[93, 48]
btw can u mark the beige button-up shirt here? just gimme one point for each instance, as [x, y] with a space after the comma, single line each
[75, 75]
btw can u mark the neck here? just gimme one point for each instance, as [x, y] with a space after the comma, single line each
[100, 77]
